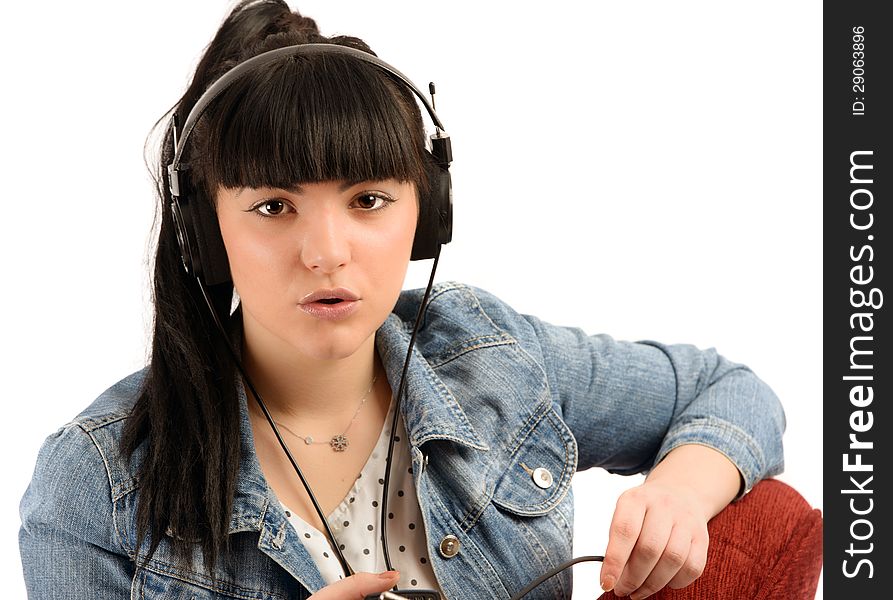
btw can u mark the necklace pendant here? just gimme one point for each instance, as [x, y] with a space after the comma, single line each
[339, 443]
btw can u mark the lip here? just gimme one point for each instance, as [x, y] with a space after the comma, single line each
[312, 305]
[324, 293]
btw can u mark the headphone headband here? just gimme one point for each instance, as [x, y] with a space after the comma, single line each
[270, 56]
[198, 232]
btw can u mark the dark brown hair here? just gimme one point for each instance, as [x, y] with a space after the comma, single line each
[299, 120]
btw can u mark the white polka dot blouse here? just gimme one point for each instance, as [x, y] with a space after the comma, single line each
[356, 521]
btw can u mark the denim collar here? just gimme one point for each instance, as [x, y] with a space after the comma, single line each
[429, 409]
[430, 412]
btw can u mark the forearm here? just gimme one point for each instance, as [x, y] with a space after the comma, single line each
[706, 472]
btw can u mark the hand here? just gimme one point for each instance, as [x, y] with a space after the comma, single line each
[358, 586]
[658, 537]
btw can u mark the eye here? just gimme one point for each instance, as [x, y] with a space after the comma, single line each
[270, 208]
[370, 202]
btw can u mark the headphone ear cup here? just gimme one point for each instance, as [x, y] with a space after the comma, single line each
[182, 236]
[198, 234]
[435, 225]
[209, 243]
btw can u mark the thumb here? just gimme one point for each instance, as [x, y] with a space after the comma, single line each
[358, 586]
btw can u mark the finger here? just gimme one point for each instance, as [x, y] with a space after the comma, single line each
[646, 552]
[695, 563]
[358, 586]
[626, 524]
[671, 561]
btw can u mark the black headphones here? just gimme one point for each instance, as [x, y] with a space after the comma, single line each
[198, 231]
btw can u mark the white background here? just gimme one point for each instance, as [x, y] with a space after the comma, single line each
[648, 170]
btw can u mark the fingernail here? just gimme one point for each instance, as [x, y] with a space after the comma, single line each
[608, 583]
[389, 574]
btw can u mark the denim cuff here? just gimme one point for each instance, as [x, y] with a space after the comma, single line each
[724, 437]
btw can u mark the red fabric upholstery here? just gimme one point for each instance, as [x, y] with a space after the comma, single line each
[767, 545]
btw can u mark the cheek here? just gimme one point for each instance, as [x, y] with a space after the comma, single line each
[252, 258]
[393, 246]
[384, 263]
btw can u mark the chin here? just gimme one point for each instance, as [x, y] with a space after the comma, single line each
[330, 353]
[330, 349]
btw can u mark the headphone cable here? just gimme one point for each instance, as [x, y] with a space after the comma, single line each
[552, 572]
[336, 548]
[398, 400]
[345, 566]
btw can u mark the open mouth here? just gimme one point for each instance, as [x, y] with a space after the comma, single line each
[330, 305]
[330, 297]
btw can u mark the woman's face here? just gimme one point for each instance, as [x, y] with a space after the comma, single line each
[318, 267]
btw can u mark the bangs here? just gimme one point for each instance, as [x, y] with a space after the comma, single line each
[310, 119]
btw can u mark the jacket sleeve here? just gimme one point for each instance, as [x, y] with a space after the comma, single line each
[68, 541]
[629, 404]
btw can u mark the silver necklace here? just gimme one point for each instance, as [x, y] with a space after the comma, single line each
[339, 441]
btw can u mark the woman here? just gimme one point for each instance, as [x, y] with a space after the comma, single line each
[314, 170]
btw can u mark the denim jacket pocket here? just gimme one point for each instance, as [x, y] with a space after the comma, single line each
[178, 585]
[540, 470]
[535, 507]
[243, 573]
[148, 584]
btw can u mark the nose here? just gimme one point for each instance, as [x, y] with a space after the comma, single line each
[326, 247]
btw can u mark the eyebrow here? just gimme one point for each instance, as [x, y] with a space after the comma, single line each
[297, 189]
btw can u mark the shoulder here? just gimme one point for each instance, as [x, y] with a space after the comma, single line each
[485, 331]
[79, 471]
[113, 405]
[461, 317]
[487, 361]
[99, 424]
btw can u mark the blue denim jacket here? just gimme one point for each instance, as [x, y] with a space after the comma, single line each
[491, 396]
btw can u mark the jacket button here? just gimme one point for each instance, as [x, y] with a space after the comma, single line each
[542, 477]
[449, 546]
